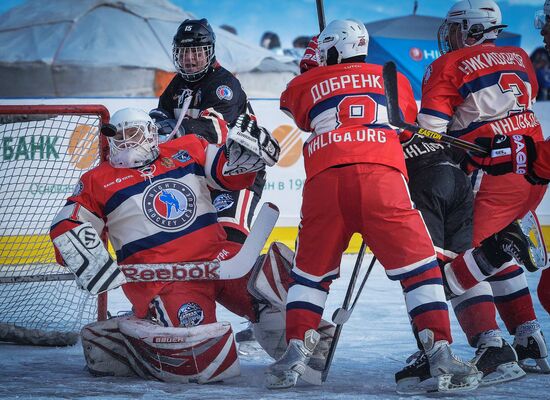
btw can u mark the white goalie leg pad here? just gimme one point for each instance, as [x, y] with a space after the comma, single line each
[85, 255]
[199, 354]
[271, 276]
[105, 350]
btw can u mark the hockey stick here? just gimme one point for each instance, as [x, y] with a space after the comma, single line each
[389, 73]
[341, 315]
[233, 268]
[320, 14]
[347, 298]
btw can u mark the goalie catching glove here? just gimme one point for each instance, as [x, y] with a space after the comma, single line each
[508, 154]
[249, 147]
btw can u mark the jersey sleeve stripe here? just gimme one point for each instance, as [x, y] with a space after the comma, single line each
[435, 113]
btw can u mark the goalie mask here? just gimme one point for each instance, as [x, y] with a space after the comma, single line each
[193, 49]
[134, 140]
[341, 40]
[469, 23]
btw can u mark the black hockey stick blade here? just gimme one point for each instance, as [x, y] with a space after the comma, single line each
[389, 74]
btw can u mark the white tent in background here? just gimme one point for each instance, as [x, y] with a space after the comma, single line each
[101, 48]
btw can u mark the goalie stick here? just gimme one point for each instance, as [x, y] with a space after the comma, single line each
[104, 275]
[389, 74]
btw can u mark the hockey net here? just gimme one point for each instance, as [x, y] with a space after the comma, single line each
[45, 149]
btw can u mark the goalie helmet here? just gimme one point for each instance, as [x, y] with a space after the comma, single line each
[343, 39]
[135, 143]
[469, 23]
[193, 49]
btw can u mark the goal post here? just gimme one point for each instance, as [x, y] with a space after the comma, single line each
[44, 151]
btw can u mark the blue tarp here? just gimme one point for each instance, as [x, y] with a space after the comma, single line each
[411, 42]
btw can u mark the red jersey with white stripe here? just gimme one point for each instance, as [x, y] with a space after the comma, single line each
[160, 213]
[344, 107]
[480, 91]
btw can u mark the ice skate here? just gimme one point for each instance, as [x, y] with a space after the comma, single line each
[415, 378]
[523, 240]
[284, 373]
[496, 359]
[451, 373]
[530, 347]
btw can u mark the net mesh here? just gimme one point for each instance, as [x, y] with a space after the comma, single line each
[43, 157]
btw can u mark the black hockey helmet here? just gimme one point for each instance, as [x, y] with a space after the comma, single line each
[193, 49]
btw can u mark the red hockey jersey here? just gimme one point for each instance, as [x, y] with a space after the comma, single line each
[161, 213]
[480, 91]
[344, 108]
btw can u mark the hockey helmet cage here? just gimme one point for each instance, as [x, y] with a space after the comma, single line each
[135, 143]
[193, 49]
[343, 39]
[469, 23]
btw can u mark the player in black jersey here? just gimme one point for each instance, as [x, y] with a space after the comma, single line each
[201, 92]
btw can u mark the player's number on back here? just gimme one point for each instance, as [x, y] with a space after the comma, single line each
[356, 110]
[511, 82]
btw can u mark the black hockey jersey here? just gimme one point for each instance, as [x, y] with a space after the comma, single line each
[218, 94]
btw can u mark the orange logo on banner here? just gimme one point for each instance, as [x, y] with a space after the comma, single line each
[83, 146]
[291, 144]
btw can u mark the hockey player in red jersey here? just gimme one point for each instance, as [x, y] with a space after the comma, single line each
[474, 90]
[356, 182]
[154, 202]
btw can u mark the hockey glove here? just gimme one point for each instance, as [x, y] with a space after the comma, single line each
[506, 154]
[240, 160]
[311, 56]
[158, 114]
[255, 139]
[165, 128]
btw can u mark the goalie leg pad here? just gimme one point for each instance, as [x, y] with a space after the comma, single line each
[271, 276]
[104, 349]
[199, 354]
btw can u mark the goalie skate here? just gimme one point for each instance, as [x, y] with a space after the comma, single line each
[284, 373]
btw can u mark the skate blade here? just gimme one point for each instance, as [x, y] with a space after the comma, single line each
[283, 380]
[470, 382]
[504, 373]
[414, 385]
[541, 365]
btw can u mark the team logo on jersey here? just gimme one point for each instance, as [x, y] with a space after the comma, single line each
[182, 156]
[223, 202]
[79, 187]
[223, 92]
[170, 204]
[190, 314]
[168, 163]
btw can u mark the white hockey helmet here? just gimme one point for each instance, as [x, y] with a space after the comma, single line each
[469, 23]
[542, 16]
[134, 140]
[341, 39]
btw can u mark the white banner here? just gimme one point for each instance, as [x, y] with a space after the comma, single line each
[284, 181]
